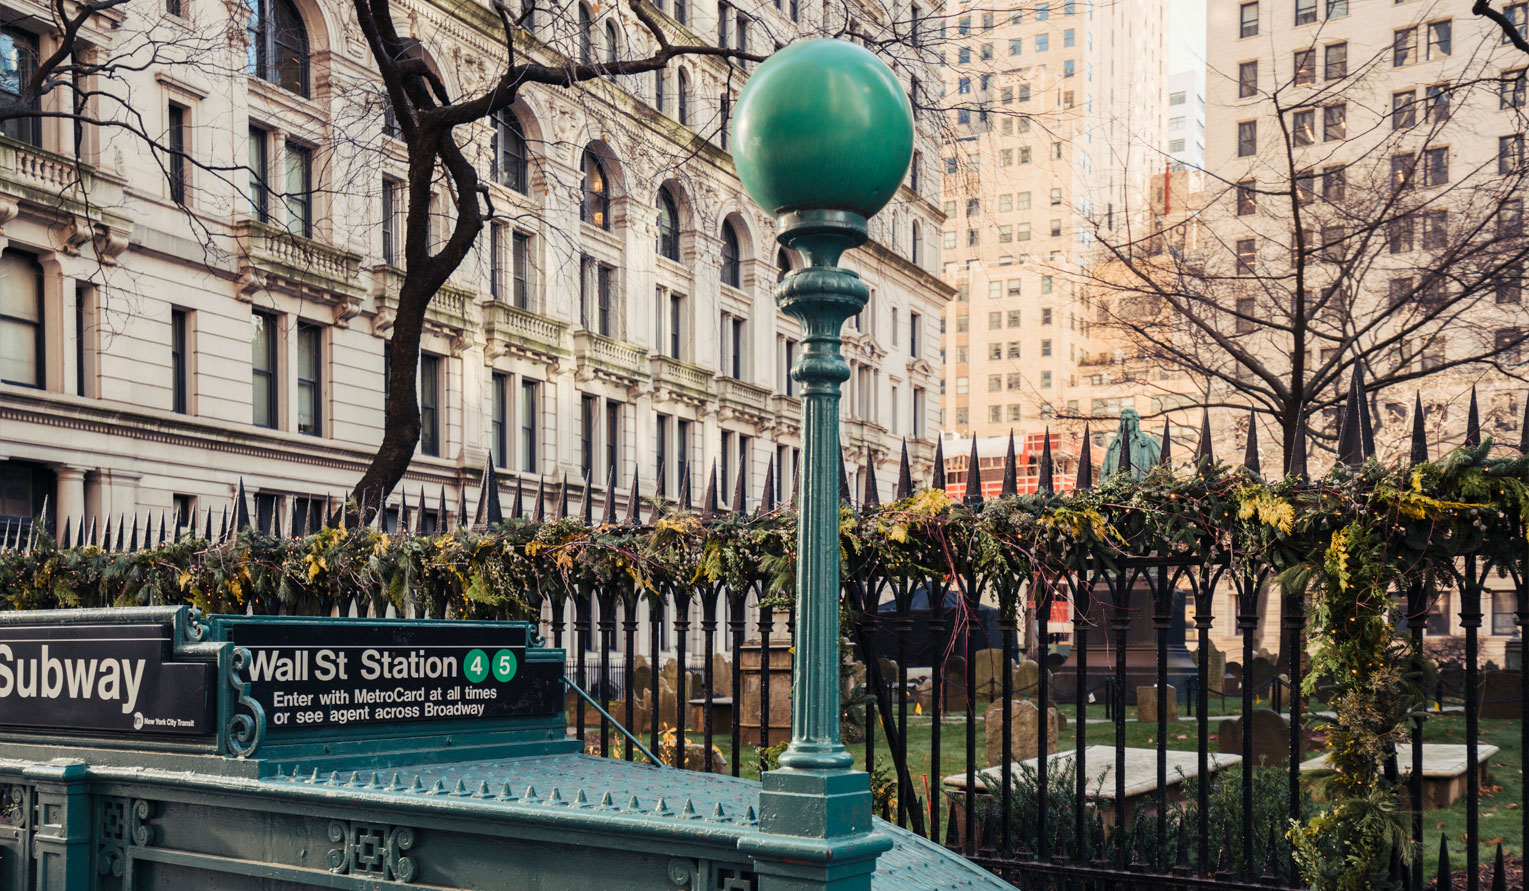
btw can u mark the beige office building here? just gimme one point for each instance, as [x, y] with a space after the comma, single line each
[1054, 124]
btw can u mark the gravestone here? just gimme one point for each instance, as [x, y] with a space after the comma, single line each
[889, 670]
[1271, 738]
[1024, 727]
[1146, 704]
[721, 676]
[1259, 673]
[642, 677]
[1500, 694]
[1231, 680]
[671, 672]
[1215, 668]
[989, 669]
[954, 682]
[1027, 678]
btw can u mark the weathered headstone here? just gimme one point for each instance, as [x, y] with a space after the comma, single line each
[1231, 680]
[954, 682]
[721, 676]
[1259, 672]
[1500, 694]
[989, 669]
[1024, 723]
[1027, 678]
[1215, 668]
[1146, 704]
[1271, 738]
[642, 677]
[671, 672]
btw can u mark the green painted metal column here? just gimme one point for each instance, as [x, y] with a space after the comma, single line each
[825, 134]
[62, 837]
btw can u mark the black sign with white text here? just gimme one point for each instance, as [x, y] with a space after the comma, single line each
[116, 678]
[358, 672]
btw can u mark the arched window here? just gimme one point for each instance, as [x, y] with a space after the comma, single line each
[682, 96]
[668, 226]
[917, 238]
[510, 152]
[658, 88]
[278, 45]
[732, 265]
[595, 208]
[610, 41]
[586, 35]
[782, 264]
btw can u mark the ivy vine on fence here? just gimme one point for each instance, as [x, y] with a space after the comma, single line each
[1350, 542]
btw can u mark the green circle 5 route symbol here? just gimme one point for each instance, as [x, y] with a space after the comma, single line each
[504, 665]
[476, 667]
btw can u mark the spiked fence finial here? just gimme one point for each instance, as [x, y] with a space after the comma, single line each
[1297, 462]
[490, 513]
[1086, 462]
[587, 503]
[937, 481]
[634, 502]
[132, 544]
[1044, 485]
[442, 516]
[1419, 432]
[518, 503]
[241, 509]
[1523, 430]
[767, 495]
[462, 506]
[973, 496]
[609, 517]
[872, 497]
[709, 498]
[1473, 422]
[684, 485]
[740, 504]
[1010, 484]
[1204, 453]
[1165, 448]
[1250, 454]
[562, 498]
[541, 499]
[904, 474]
[420, 513]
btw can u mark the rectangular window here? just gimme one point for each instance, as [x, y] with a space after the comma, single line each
[1305, 11]
[1436, 108]
[1512, 89]
[661, 456]
[1305, 67]
[589, 408]
[1247, 254]
[391, 192]
[1248, 20]
[1510, 153]
[1517, 17]
[1247, 199]
[1436, 166]
[175, 167]
[1508, 286]
[499, 395]
[1439, 39]
[299, 190]
[179, 361]
[496, 260]
[21, 320]
[613, 440]
[1399, 234]
[310, 392]
[915, 334]
[430, 404]
[1337, 9]
[1247, 139]
[520, 269]
[1401, 171]
[726, 470]
[263, 370]
[1247, 81]
[1404, 46]
[1435, 229]
[18, 54]
[1335, 61]
[259, 168]
[1403, 109]
[1303, 127]
[1334, 122]
[529, 406]
[1334, 181]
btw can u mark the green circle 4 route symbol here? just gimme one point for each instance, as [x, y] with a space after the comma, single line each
[476, 667]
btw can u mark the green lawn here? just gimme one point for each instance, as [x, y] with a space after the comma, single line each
[1501, 802]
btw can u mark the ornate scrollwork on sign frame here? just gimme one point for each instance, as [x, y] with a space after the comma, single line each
[372, 850]
[244, 731]
[15, 805]
[122, 824]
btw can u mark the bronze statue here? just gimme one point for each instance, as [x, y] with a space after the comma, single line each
[1140, 451]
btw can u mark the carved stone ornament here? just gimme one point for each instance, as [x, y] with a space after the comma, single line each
[371, 850]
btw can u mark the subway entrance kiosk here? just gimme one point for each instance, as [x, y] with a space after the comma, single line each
[150, 748]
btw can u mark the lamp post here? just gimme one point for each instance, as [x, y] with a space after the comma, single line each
[824, 136]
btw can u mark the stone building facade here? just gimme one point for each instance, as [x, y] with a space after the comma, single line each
[615, 318]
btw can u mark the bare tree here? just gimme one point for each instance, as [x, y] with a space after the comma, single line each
[1356, 241]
